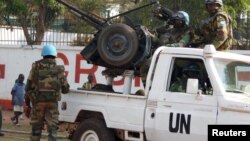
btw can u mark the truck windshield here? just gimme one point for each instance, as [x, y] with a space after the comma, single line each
[235, 75]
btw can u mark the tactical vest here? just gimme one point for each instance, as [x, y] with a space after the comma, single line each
[211, 31]
[47, 80]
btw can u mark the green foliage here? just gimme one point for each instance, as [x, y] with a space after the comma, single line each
[49, 10]
[36, 14]
[197, 13]
[197, 10]
[80, 26]
[14, 7]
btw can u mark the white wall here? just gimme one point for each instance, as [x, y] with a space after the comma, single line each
[16, 36]
[18, 59]
[15, 59]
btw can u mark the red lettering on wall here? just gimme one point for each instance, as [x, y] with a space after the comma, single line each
[2, 71]
[64, 59]
[121, 82]
[79, 69]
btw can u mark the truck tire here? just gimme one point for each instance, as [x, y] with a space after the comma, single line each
[117, 44]
[94, 130]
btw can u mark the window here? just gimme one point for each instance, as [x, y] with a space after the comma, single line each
[235, 75]
[185, 68]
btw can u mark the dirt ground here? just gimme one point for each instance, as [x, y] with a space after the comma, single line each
[22, 132]
[7, 114]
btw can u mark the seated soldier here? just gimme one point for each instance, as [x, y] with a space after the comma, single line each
[90, 83]
[177, 36]
[191, 71]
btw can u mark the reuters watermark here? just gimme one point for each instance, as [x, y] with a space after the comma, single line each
[241, 132]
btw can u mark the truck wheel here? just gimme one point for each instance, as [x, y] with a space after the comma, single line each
[117, 44]
[93, 130]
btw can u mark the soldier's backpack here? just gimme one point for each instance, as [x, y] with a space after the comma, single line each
[48, 81]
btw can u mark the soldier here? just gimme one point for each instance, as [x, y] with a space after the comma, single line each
[90, 83]
[177, 36]
[1, 120]
[45, 84]
[192, 70]
[217, 29]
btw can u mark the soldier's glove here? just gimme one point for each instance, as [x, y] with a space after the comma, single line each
[27, 111]
[65, 89]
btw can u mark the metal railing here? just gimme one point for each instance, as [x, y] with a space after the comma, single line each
[13, 35]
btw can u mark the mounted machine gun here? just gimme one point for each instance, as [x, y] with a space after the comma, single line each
[117, 45]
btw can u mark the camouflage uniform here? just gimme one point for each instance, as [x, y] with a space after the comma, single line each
[44, 96]
[90, 84]
[173, 38]
[176, 35]
[87, 85]
[1, 118]
[177, 86]
[217, 29]
[192, 70]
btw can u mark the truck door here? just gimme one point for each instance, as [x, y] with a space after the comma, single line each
[177, 115]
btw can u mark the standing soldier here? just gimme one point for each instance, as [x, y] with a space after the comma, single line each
[45, 84]
[1, 120]
[217, 29]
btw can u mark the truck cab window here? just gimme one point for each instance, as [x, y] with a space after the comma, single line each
[186, 68]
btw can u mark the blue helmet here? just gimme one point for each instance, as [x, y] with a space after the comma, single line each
[49, 50]
[182, 15]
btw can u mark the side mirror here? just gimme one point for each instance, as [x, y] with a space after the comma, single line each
[192, 86]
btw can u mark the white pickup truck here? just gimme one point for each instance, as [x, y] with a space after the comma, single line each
[217, 92]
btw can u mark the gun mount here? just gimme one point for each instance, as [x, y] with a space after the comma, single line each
[117, 45]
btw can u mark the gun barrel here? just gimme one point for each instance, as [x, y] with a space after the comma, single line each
[96, 21]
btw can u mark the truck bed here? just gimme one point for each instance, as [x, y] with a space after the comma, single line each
[119, 110]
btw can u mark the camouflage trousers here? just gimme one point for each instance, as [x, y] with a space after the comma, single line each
[44, 113]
